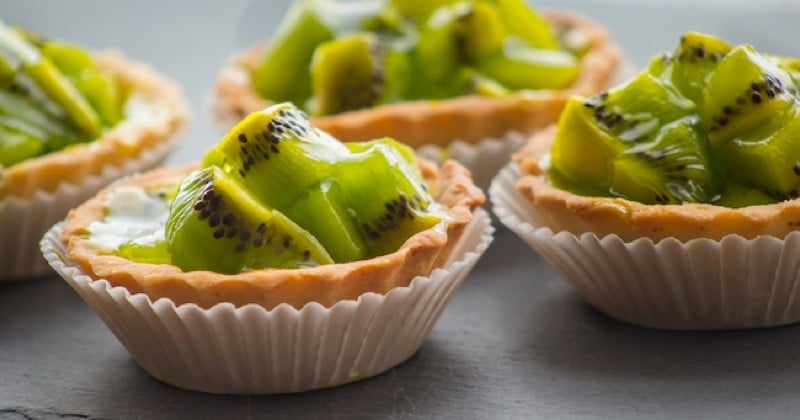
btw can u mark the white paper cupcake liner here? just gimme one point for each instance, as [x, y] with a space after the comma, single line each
[699, 284]
[24, 221]
[252, 350]
[483, 158]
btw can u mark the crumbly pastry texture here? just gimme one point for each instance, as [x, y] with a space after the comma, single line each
[562, 210]
[125, 141]
[450, 185]
[470, 118]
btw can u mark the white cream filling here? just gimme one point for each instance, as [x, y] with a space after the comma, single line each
[133, 216]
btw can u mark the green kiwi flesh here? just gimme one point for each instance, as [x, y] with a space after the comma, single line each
[341, 194]
[51, 94]
[523, 22]
[744, 90]
[215, 224]
[347, 74]
[329, 221]
[709, 123]
[333, 56]
[519, 66]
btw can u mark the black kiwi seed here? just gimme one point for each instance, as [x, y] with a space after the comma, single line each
[261, 228]
[213, 221]
[756, 97]
[205, 213]
[200, 205]
[727, 110]
[258, 242]
[306, 255]
[242, 138]
[219, 233]
[229, 219]
[796, 168]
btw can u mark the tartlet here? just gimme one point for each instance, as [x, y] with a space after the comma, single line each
[273, 330]
[458, 128]
[677, 262]
[37, 192]
[324, 284]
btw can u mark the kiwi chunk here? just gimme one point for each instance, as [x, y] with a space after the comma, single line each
[744, 90]
[282, 74]
[385, 202]
[22, 114]
[276, 153]
[675, 167]
[594, 131]
[523, 22]
[45, 77]
[452, 40]
[519, 66]
[16, 147]
[216, 224]
[696, 56]
[348, 74]
[321, 211]
[768, 157]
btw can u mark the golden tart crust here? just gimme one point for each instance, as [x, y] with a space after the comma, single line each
[450, 185]
[470, 118]
[127, 140]
[562, 210]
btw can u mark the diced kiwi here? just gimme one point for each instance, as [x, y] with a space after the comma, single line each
[696, 56]
[594, 131]
[282, 75]
[418, 10]
[22, 114]
[363, 200]
[16, 146]
[45, 77]
[518, 66]
[737, 195]
[582, 152]
[276, 153]
[523, 22]
[452, 38]
[321, 211]
[675, 167]
[744, 90]
[216, 224]
[790, 64]
[348, 74]
[100, 90]
[386, 204]
[767, 157]
[157, 253]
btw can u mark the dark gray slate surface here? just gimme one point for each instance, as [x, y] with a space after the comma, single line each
[515, 341]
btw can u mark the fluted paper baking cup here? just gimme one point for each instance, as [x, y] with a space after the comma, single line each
[698, 284]
[24, 221]
[252, 350]
[484, 158]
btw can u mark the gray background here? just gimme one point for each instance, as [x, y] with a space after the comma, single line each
[514, 343]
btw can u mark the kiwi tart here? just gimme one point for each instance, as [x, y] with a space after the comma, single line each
[423, 72]
[701, 143]
[67, 113]
[70, 122]
[277, 212]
